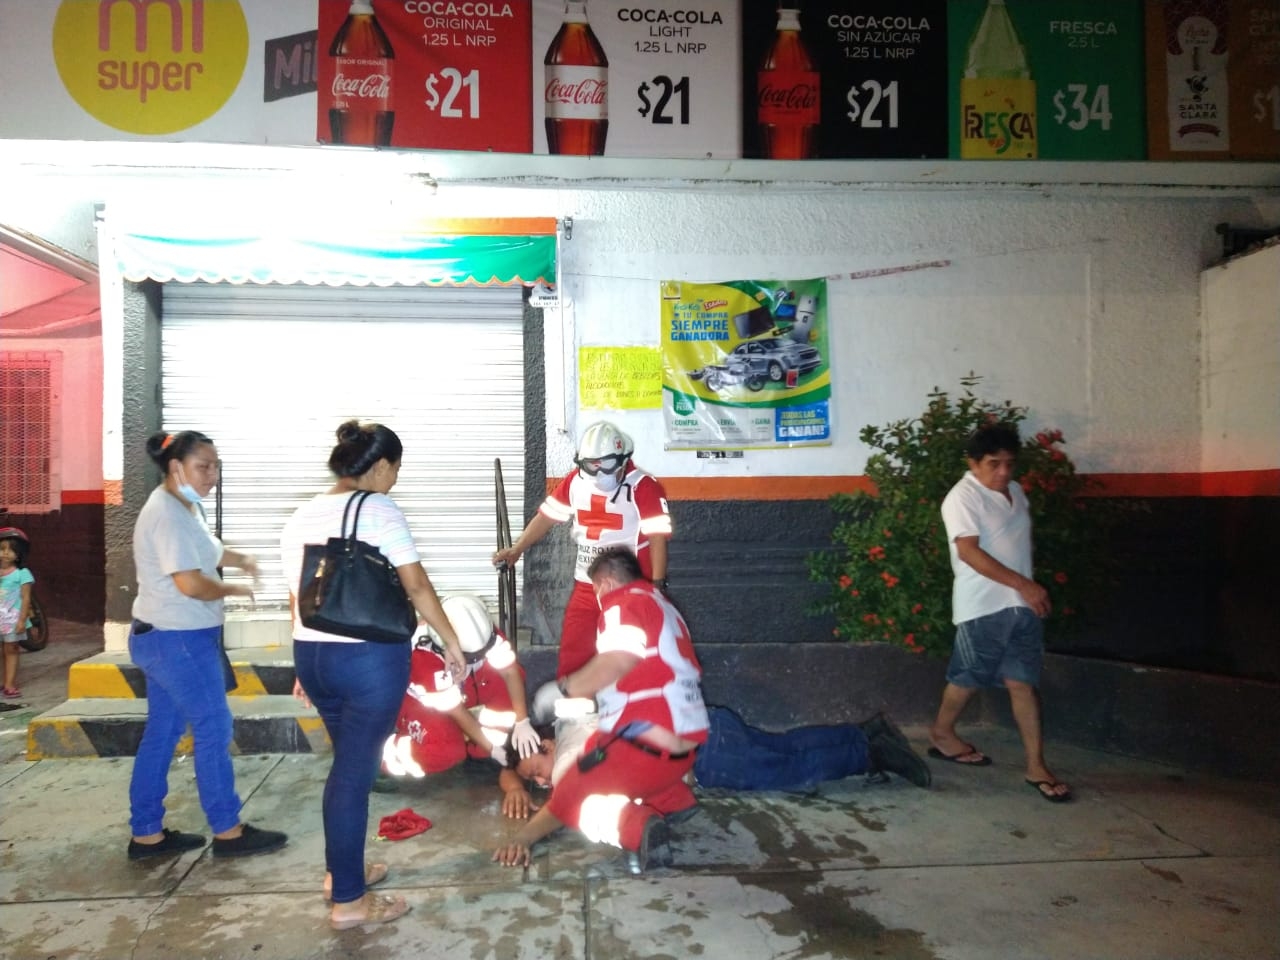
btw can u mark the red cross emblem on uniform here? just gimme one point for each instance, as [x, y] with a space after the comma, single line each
[597, 520]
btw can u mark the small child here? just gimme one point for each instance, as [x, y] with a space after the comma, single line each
[15, 603]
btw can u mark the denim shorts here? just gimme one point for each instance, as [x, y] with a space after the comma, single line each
[1005, 645]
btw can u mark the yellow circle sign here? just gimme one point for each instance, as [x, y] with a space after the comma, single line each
[150, 66]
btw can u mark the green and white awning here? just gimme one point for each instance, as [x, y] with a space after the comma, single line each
[508, 252]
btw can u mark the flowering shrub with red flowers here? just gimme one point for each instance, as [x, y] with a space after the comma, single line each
[889, 568]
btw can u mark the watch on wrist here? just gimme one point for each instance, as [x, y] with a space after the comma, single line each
[660, 583]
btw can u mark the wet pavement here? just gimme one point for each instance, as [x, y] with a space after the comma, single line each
[1148, 861]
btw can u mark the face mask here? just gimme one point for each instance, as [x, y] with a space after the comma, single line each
[185, 490]
[607, 482]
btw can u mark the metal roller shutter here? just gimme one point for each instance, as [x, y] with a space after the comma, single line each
[269, 371]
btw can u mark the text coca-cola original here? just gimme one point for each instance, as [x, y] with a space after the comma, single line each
[576, 94]
[361, 105]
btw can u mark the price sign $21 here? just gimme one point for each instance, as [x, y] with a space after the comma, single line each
[457, 91]
[668, 95]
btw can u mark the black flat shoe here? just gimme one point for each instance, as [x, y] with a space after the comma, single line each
[174, 842]
[251, 841]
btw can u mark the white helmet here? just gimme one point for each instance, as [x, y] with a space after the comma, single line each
[470, 620]
[603, 449]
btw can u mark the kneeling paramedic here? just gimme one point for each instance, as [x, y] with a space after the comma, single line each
[442, 723]
[645, 679]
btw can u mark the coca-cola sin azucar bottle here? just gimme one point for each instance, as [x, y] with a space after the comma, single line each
[576, 88]
[788, 108]
[361, 109]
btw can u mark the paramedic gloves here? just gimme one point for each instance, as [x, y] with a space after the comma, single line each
[525, 739]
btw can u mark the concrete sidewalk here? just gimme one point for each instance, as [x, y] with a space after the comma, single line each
[1147, 862]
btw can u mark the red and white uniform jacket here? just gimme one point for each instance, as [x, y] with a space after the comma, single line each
[663, 689]
[627, 517]
[428, 740]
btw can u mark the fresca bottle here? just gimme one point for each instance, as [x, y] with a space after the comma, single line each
[576, 95]
[997, 94]
[788, 108]
[361, 110]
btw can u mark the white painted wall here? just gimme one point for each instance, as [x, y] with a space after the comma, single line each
[1082, 303]
[1240, 400]
[1085, 309]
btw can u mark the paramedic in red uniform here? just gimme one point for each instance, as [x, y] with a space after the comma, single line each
[612, 503]
[442, 723]
[645, 678]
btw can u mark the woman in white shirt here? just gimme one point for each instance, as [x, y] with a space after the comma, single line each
[357, 685]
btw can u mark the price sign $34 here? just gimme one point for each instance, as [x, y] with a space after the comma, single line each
[1074, 101]
[668, 94]
[452, 96]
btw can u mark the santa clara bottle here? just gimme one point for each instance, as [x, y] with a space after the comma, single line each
[576, 91]
[361, 108]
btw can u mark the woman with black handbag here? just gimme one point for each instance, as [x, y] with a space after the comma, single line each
[356, 675]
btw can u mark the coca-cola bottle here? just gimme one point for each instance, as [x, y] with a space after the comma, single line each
[361, 110]
[787, 87]
[577, 86]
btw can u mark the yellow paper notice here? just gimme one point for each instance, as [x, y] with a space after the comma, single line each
[619, 378]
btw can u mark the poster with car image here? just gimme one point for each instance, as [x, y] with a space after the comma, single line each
[745, 364]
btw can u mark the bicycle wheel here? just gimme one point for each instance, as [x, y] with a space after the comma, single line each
[38, 633]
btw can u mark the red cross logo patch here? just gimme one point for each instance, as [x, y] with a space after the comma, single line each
[597, 520]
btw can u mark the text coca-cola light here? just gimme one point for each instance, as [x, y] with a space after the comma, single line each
[576, 92]
[788, 108]
[361, 109]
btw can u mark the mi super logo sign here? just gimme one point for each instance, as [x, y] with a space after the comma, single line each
[150, 66]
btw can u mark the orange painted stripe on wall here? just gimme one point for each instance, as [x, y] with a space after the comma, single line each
[1238, 483]
[492, 226]
[81, 497]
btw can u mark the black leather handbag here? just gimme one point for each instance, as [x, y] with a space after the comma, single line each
[349, 588]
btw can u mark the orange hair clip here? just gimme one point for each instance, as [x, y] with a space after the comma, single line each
[168, 439]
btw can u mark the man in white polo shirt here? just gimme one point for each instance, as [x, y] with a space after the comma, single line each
[995, 604]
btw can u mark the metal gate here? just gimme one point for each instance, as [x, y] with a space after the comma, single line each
[269, 371]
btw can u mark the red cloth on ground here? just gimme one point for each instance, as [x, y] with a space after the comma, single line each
[402, 824]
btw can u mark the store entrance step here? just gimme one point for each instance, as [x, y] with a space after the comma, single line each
[258, 670]
[112, 727]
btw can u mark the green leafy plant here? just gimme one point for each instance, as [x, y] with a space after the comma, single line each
[889, 569]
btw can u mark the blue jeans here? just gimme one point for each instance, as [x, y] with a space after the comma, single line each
[741, 757]
[184, 686]
[357, 688]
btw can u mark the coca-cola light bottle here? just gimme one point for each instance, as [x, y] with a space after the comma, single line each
[361, 109]
[576, 91]
[787, 87]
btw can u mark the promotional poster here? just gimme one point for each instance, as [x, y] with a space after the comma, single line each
[745, 364]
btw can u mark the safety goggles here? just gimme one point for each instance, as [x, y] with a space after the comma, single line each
[609, 464]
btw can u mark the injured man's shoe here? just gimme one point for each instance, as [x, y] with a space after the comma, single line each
[890, 751]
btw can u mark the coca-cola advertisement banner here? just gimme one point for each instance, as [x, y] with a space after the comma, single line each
[1213, 79]
[446, 76]
[631, 80]
[746, 364]
[880, 68]
[1049, 81]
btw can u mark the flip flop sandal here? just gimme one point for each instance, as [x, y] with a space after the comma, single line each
[985, 761]
[1039, 785]
[374, 873]
[381, 909]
